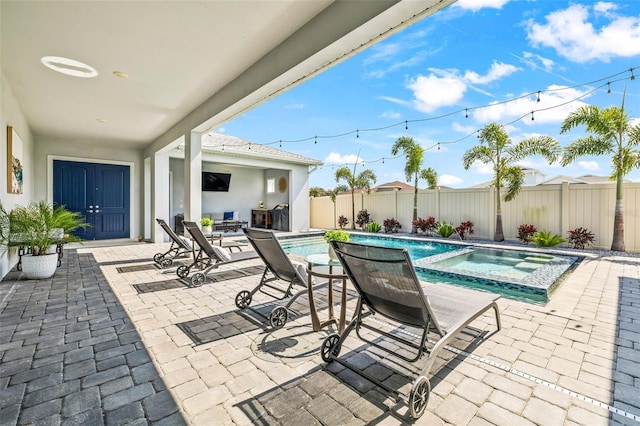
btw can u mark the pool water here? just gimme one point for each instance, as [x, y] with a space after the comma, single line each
[305, 246]
[496, 262]
[521, 275]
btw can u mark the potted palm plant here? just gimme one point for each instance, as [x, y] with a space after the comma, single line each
[37, 229]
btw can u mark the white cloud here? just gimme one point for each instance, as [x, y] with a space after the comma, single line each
[337, 158]
[396, 101]
[476, 5]
[445, 87]
[533, 59]
[432, 92]
[570, 33]
[482, 168]
[220, 130]
[294, 106]
[391, 114]
[589, 165]
[463, 129]
[554, 106]
[496, 72]
[449, 180]
[382, 52]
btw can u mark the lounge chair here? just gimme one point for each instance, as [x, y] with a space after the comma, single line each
[209, 256]
[388, 287]
[278, 268]
[179, 246]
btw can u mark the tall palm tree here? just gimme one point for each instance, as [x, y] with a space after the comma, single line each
[498, 150]
[611, 134]
[413, 168]
[363, 180]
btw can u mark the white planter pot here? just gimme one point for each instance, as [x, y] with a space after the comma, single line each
[332, 253]
[39, 267]
[207, 229]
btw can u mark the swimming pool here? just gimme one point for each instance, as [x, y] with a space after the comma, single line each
[517, 274]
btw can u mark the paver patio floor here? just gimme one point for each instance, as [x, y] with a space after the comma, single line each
[111, 339]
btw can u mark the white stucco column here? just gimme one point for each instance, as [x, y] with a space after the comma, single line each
[193, 176]
[159, 194]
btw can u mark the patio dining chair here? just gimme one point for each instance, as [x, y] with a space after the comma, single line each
[389, 289]
[209, 256]
[278, 269]
[179, 246]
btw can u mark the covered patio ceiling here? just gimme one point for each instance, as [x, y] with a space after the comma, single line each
[189, 64]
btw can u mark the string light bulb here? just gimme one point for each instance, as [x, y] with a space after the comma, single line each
[608, 87]
[538, 96]
[438, 146]
[532, 116]
[633, 77]
[315, 140]
[466, 113]
[406, 125]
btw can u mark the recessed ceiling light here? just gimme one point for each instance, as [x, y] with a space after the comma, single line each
[101, 120]
[69, 66]
[121, 74]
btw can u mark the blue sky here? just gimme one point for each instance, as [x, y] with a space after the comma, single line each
[471, 63]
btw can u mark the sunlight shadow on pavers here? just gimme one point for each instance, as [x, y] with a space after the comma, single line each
[333, 394]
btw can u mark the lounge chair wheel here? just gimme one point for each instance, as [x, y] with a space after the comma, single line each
[278, 317]
[419, 396]
[183, 271]
[158, 257]
[166, 263]
[243, 299]
[197, 279]
[330, 348]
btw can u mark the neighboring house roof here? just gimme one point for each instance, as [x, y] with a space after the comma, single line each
[584, 179]
[220, 143]
[390, 186]
[532, 177]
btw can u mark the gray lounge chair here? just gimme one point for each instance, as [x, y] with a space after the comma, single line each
[179, 247]
[210, 257]
[278, 268]
[388, 286]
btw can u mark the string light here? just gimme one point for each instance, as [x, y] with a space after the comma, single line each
[315, 140]
[466, 113]
[610, 79]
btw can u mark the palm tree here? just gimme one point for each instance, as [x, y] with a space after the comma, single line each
[333, 194]
[611, 134]
[431, 176]
[412, 169]
[497, 149]
[363, 180]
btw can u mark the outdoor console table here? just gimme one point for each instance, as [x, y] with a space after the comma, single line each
[325, 260]
[261, 218]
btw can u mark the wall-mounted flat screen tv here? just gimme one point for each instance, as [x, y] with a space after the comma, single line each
[212, 181]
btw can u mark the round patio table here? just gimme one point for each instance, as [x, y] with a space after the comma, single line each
[325, 260]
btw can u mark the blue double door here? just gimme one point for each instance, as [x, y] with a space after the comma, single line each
[99, 192]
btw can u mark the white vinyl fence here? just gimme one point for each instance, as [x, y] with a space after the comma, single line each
[554, 208]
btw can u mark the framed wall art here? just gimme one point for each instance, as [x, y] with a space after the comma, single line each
[15, 177]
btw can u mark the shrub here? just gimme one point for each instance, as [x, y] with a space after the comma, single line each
[391, 225]
[363, 218]
[525, 233]
[546, 239]
[464, 228]
[580, 238]
[373, 227]
[445, 229]
[426, 225]
[337, 235]
[342, 221]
